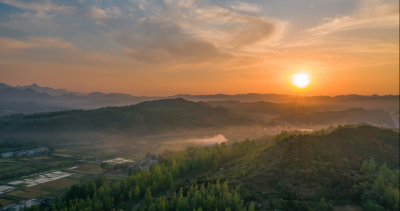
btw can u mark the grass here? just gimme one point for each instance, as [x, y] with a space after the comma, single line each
[31, 194]
[15, 193]
[88, 169]
[16, 165]
[5, 202]
[5, 167]
[61, 183]
[77, 176]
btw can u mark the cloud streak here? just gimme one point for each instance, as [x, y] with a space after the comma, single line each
[9, 46]
[370, 14]
[46, 8]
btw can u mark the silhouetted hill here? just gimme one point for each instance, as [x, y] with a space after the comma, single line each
[12, 94]
[349, 116]
[12, 107]
[4, 86]
[143, 118]
[48, 90]
[275, 109]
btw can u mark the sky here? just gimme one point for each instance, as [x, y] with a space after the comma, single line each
[168, 47]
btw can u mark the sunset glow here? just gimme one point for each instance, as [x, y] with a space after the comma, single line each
[300, 80]
[160, 48]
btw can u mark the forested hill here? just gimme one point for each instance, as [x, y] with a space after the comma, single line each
[146, 117]
[351, 165]
[313, 172]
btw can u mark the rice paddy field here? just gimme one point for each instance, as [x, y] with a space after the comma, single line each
[14, 166]
[47, 185]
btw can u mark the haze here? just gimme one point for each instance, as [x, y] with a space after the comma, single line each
[161, 48]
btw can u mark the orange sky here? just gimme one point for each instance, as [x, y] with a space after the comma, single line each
[161, 48]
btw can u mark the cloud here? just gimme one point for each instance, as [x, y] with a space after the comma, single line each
[46, 8]
[163, 32]
[96, 13]
[188, 52]
[245, 7]
[42, 6]
[370, 14]
[234, 30]
[13, 46]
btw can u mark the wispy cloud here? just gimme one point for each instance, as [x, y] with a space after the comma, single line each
[245, 7]
[46, 8]
[370, 14]
[171, 33]
[9, 46]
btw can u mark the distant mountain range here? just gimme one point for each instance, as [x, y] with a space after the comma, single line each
[254, 102]
[13, 94]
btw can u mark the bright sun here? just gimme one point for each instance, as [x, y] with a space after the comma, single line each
[300, 80]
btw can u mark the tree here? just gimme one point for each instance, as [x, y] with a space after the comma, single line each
[215, 164]
[130, 195]
[372, 206]
[251, 207]
[51, 149]
[136, 192]
[169, 181]
[152, 207]
[147, 197]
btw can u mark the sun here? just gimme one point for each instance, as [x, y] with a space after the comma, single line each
[301, 80]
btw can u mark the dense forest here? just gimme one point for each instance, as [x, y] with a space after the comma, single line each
[350, 165]
[344, 166]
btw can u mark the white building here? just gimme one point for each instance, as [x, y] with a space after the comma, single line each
[6, 154]
[42, 149]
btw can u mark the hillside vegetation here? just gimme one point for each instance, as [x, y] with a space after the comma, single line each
[314, 172]
[303, 171]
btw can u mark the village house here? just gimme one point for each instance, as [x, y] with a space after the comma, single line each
[144, 164]
[25, 152]
[6, 154]
[18, 153]
[42, 149]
